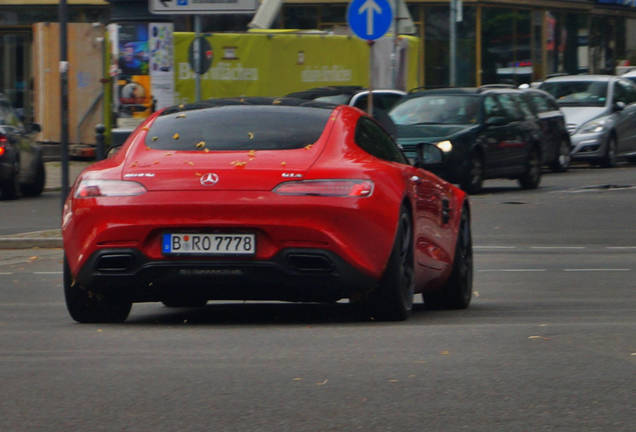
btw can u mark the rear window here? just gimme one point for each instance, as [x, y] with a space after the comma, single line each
[238, 127]
[577, 93]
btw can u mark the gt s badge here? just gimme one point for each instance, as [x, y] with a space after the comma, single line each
[291, 175]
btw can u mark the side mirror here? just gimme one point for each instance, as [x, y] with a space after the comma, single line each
[429, 157]
[36, 128]
[619, 106]
[496, 121]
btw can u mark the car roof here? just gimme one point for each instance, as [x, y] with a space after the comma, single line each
[248, 101]
[631, 73]
[326, 91]
[568, 78]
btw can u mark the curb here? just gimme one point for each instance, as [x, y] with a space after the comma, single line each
[30, 243]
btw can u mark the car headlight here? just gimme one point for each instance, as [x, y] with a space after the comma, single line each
[595, 126]
[445, 146]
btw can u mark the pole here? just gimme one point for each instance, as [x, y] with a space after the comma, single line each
[453, 42]
[370, 99]
[197, 57]
[63, 18]
[396, 21]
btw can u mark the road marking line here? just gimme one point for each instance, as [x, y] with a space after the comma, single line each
[495, 247]
[512, 270]
[620, 247]
[597, 269]
[5, 273]
[557, 247]
[48, 273]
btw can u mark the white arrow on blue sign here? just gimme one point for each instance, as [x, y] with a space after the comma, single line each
[369, 19]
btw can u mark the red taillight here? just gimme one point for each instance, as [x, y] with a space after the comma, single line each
[3, 141]
[337, 188]
[101, 188]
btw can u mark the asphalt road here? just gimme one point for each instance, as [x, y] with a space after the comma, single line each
[549, 343]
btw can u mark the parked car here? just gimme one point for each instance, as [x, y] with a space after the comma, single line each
[261, 198]
[631, 75]
[21, 162]
[555, 140]
[351, 95]
[600, 112]
[483, 133]
[356, 96]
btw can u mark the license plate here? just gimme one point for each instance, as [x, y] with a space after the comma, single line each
[209, 244]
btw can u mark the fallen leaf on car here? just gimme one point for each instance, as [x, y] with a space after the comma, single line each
[155, 163]
[190, 163]
[168, 154]
[198, 174]
[175, 136]
[206, 150]
[181, 115]
[251, 153]
[322, 382]
[283, 163]
[145, 128]
[181, 105]
[308, 146]
[200, 144]
[276, 102]
[250, 135]
[155, 138]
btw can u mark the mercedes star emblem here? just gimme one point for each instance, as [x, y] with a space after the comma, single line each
[209, 179]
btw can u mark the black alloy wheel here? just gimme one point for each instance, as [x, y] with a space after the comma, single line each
[474, 179]
[87, 306]
[392, 299]
[609, 160]
[458, 290]
[532, 177]
[562, 162]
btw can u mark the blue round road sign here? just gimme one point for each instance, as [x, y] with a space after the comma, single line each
[369, 19]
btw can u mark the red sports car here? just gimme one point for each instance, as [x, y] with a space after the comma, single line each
[264, 199]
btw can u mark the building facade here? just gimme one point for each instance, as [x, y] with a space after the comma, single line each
[503, 41]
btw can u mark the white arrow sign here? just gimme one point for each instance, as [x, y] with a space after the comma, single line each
[369, 7]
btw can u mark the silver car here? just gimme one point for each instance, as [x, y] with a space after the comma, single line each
[600, 112]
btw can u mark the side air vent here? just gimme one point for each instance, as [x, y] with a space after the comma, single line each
[310, 262]
[114, 262]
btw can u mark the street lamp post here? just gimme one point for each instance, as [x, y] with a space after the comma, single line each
[63, 18]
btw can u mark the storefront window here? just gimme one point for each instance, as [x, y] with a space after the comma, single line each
[604, 50]
[301, 17]
[15, 70]
[437, 39]
[506, 46]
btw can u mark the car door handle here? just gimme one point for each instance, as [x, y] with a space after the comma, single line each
[446, 211]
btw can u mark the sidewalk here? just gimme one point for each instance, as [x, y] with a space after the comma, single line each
[48, 238]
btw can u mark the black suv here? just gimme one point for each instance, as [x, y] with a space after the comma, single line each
[21, 162]
[483, 132]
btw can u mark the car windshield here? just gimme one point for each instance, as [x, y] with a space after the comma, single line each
[436, 109]
[578, 93]
[227, 128]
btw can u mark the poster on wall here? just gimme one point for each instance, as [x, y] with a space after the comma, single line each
[130, 68]
[161, 64]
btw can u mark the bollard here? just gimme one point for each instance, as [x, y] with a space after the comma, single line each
[99, 140]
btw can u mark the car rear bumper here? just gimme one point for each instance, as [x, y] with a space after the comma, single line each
[291, 275]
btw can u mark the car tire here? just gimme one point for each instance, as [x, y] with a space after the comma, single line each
[392, 299]
[532, 177]
[458, 290]
[562, 162]
[36, 187]
[609, 160]
[11, 187]
[474, 180]
[87, 306]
